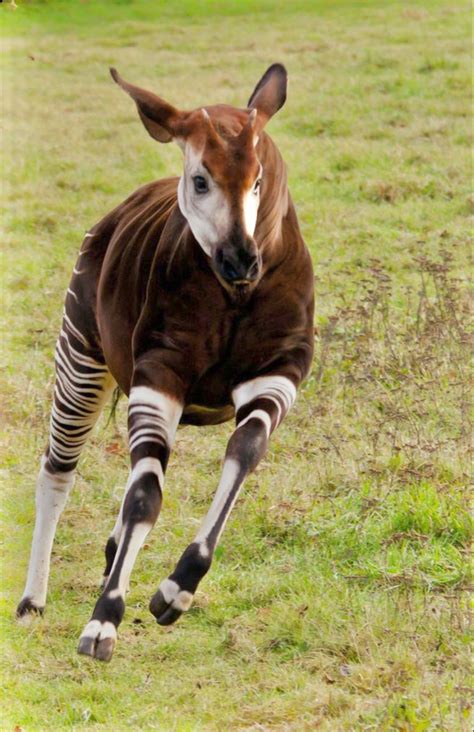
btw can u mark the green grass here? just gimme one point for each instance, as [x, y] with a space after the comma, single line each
[338, 597]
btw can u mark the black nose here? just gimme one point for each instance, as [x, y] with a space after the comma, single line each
[235, 267]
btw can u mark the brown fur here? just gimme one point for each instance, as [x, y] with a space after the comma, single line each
[163, 317]
[192, 320]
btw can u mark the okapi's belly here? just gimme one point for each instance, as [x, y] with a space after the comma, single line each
[198, 415]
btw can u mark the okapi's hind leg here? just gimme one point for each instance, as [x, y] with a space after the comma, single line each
[83, 384]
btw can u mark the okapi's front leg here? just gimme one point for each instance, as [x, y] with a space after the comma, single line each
[153, 417]
[260, 406]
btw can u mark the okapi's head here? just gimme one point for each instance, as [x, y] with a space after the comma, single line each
[219, 191]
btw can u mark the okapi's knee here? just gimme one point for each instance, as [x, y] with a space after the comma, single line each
[143, 501]
[57, 467]
[247, 445]
[54, 476]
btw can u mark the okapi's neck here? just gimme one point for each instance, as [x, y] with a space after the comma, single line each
[274, 198]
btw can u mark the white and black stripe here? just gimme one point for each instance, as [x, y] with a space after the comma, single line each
[82, 385]
[260, 406]
[81, 388]
[152, 421]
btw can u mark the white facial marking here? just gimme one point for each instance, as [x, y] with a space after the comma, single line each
[250, 206]
[208, 214]
[250, 209]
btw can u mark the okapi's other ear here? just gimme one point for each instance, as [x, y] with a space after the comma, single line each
[269, 95]
[159, 117]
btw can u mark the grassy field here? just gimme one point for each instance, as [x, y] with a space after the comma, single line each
[338, 598]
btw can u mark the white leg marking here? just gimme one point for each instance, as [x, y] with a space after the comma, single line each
[262, 416]
[85, 393]
[227, 482]
[166, 409]
[179, 599]
[100, 631]
[51, 495]
[75, 331]
[117, 530]
[280, 390]
[139, 534]
[147, 465]
[276, 386]
[203, 549]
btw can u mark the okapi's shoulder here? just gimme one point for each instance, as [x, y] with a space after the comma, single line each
[129, 238]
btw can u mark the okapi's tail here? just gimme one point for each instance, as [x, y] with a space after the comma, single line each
[117, 393]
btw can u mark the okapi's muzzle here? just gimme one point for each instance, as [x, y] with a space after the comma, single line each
[237, 261]
[238, 268]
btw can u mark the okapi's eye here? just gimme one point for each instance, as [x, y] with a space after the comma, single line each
[256, 185]
[200, 184]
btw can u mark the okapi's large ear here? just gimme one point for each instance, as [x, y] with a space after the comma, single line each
[159, 117]
[270, 94]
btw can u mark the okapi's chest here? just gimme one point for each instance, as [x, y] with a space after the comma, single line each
[215, 344]
[152, 298]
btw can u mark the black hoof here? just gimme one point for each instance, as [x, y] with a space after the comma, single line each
[101, 650]
[27, 607]
[163, 611]
[98, 640]
[87, 646]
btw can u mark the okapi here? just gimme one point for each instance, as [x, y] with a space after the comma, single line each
[195, 297]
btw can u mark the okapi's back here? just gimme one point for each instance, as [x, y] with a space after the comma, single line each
[111, 276]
